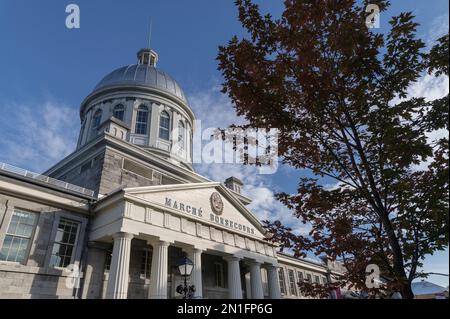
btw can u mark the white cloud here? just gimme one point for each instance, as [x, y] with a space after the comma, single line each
[430, 87]
[439, 27]
[214, 109]
[37, 136]
[267, 207]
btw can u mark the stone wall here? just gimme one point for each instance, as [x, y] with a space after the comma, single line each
[113, 174]
[27, 285]
[110, 170]
[87, 174]
[34, 277]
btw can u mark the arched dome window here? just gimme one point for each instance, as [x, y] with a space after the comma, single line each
[141, 120]
[181, 134]
[119, 112]
[164, 126]
[97, 119]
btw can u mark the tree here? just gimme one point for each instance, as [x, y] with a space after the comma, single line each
[338, 94]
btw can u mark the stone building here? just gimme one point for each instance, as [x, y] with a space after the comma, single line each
[112, 219]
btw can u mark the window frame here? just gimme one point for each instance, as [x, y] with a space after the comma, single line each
[108, 258]
[161, 128]
[98, 114]
[219, 275]
[282, 281]
[300, 276]
[301, 279]
[146, 109]
[181, 135]
[122, 109]
[78, 247]
[292, 283]
[146, 264]
[74, 245]
[31, 238]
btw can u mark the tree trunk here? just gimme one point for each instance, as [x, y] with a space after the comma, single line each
[399, 267]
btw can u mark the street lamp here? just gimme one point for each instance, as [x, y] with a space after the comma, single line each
[185, 266]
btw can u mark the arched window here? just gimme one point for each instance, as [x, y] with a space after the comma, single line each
[164, 125]
[97, 119]
[141, 120]
[181, 134]
[119, 111]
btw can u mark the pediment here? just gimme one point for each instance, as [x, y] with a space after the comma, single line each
[207, 202]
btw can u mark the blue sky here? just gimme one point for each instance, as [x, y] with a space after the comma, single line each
[47, 70]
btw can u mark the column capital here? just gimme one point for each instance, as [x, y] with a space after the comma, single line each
[193, 250]
[158, 242]
[122, 235]
[254, 263]
[271, 266]
[232, 258]
[163, 243]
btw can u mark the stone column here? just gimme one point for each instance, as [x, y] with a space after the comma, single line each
[196, 277]
[274, 282]
[158, 277]
[256, 281]
[120, 264]
[234, 278]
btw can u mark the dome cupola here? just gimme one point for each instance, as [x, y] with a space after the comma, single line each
[147, 57]
[142, 105]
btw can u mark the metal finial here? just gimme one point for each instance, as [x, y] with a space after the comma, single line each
[150, 34]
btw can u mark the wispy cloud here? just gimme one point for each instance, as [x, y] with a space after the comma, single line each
[439, 27]
[431, 88]
[214, 109]
[37, 136]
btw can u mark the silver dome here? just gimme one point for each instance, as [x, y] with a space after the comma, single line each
[142, 75]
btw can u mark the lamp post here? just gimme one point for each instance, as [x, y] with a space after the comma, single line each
[185, 266]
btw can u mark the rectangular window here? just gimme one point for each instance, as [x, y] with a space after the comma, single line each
[282, 282]
[146, 263]
[164, 126]
[324, 280]
[300, 276]
[18, 236]
[309, 278]
[108, 260]
[63, 247]
[141, 120]
[218, 270]
[141, 128]
[317, 279]
[292, 282]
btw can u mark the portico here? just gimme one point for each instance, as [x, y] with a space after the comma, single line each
[221, 252]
